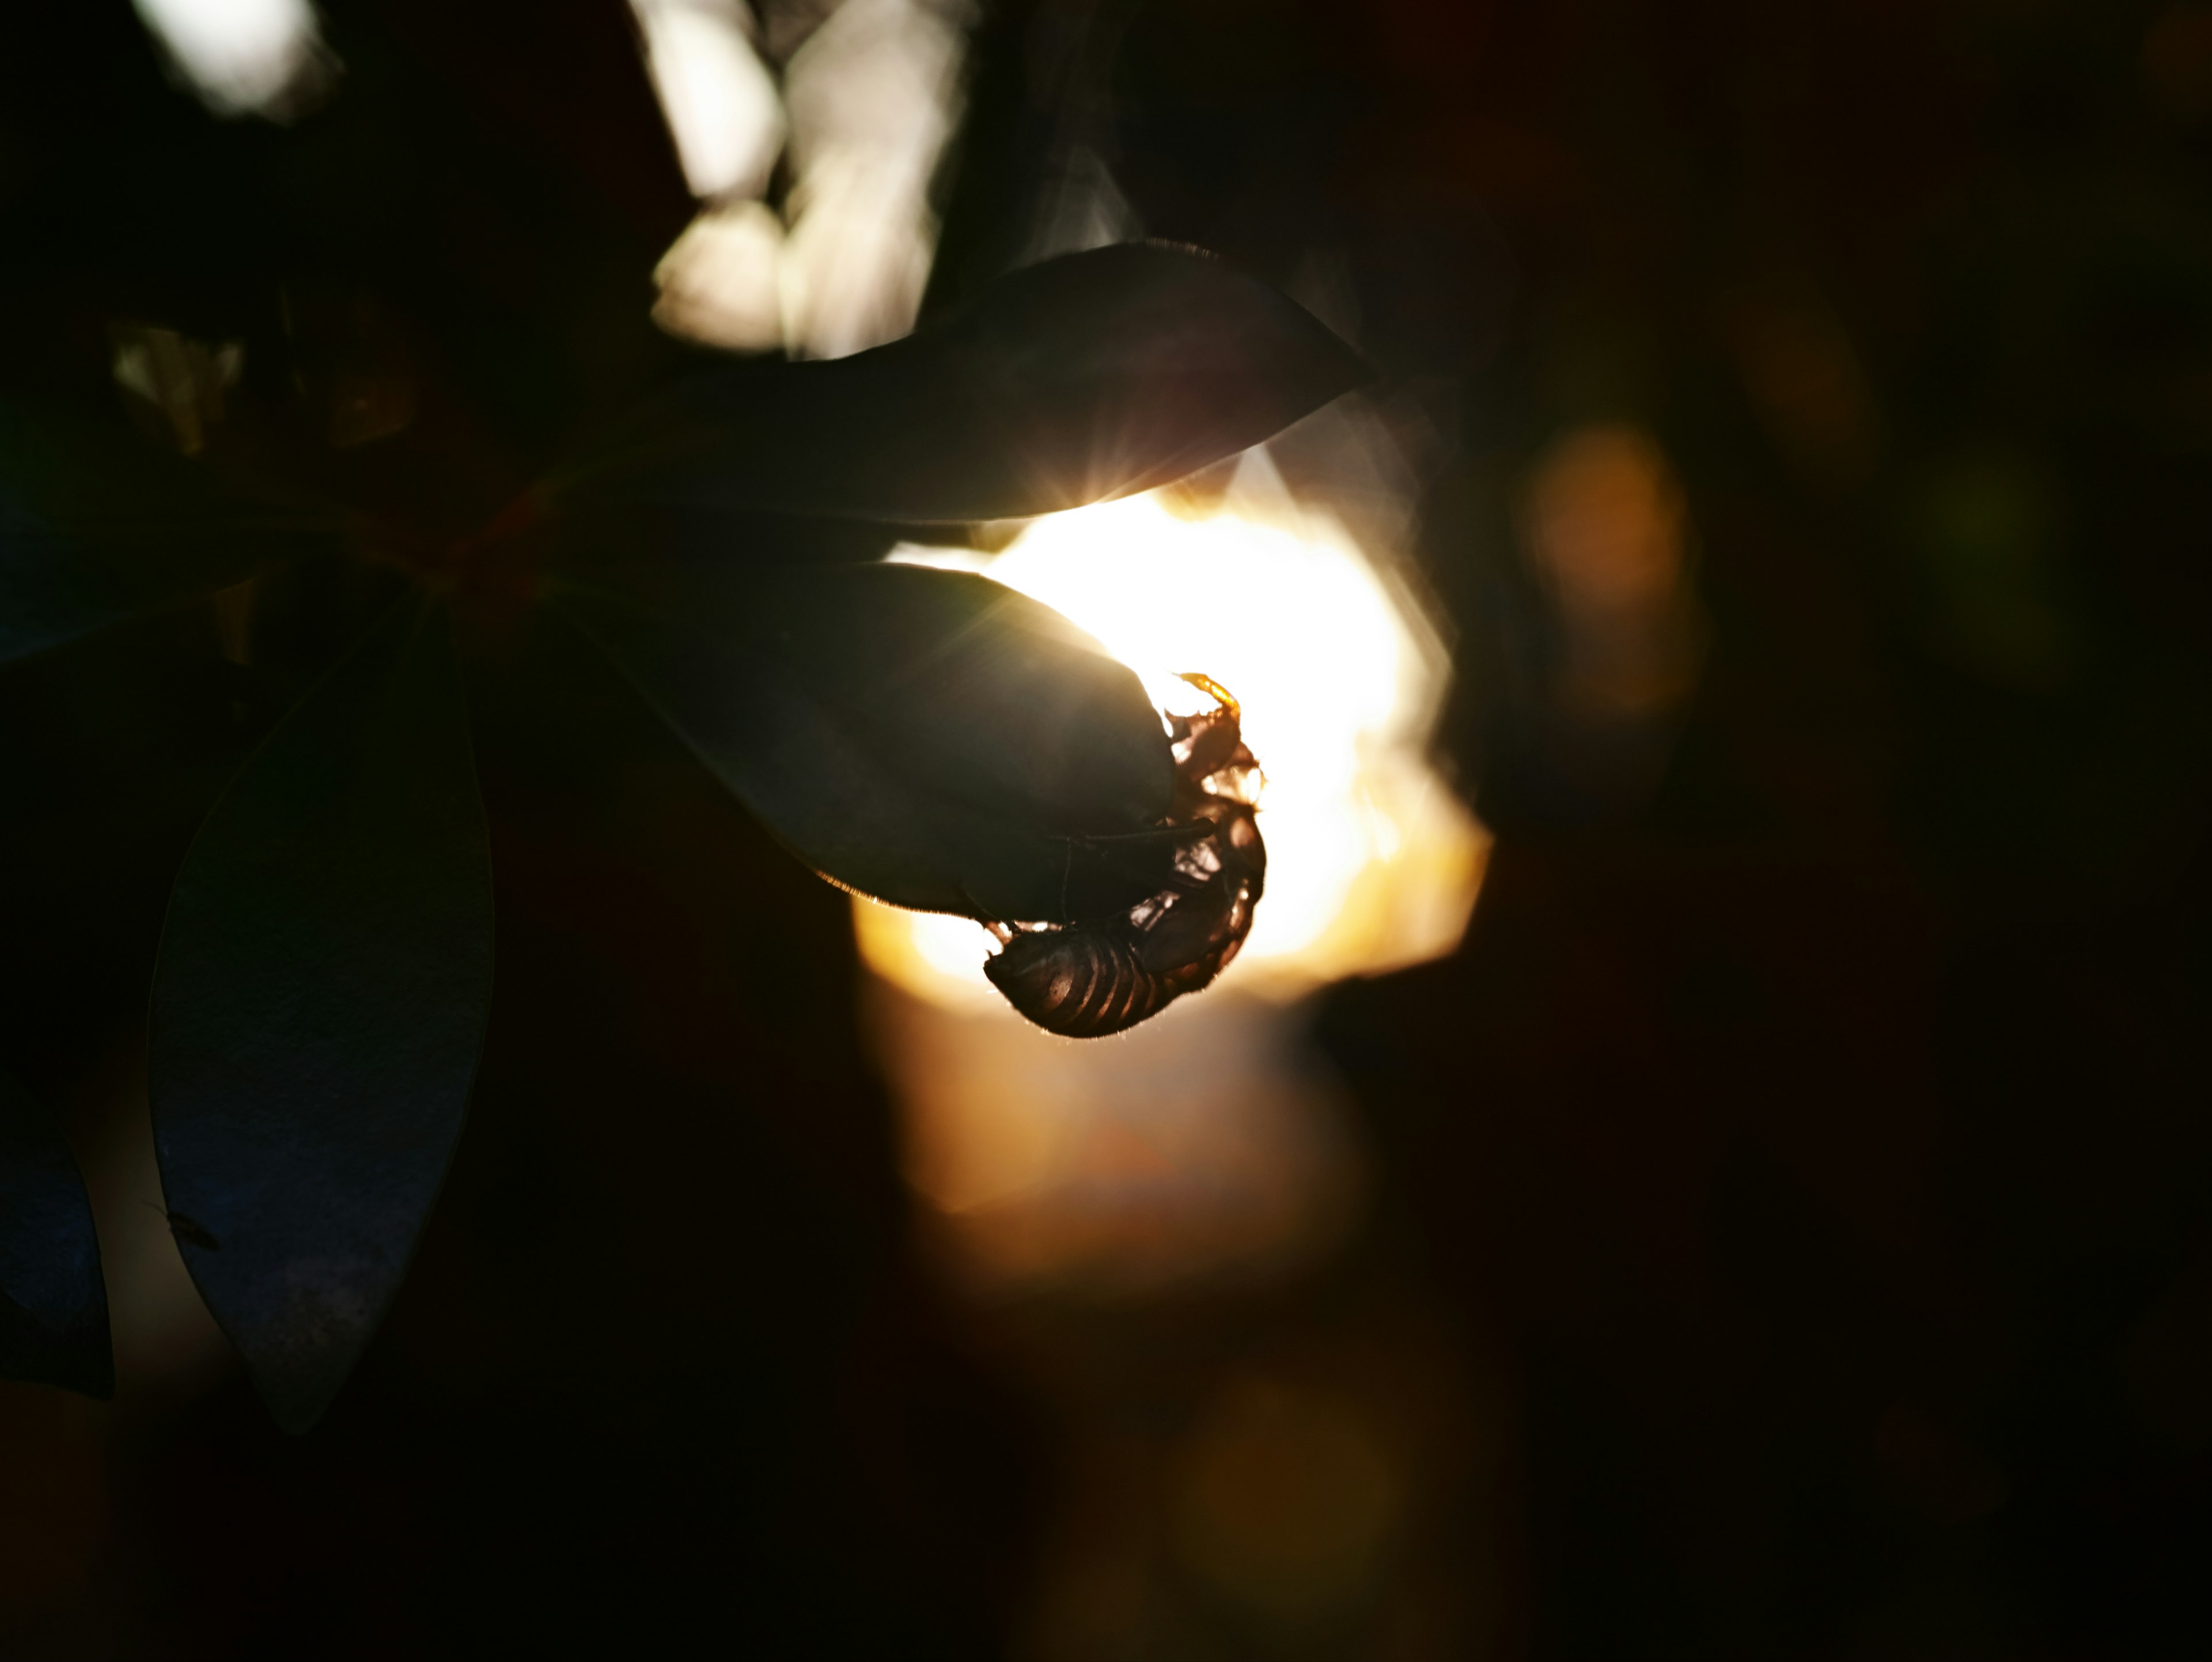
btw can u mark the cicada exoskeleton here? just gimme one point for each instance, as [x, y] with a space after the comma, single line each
[1095, 977]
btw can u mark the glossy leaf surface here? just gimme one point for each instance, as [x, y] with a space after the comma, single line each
[1086, 377]
[53, 1306]
[318, 1006]
[97, 524]
[930, 738]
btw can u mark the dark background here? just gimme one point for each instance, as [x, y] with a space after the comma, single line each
[1790, 1236]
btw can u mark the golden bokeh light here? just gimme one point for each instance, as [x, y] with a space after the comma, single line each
[1210, 1138]
[263, 58]
[1372, 862]
[1607, 529]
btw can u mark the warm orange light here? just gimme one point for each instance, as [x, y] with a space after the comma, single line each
[1372, 862]
[1607, 530]
[1206, 1139]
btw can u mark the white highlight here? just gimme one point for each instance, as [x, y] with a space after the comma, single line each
[869, 102]
[874, 98]
[719, 101]
[721, 282]
[244, 56]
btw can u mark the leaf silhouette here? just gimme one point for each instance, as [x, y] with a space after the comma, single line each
[1093, 376]
[318, 1006]
[53, 1306]
[930, 738]
[96, 526]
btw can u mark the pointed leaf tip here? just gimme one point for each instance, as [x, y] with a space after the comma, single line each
[930, 738]
[1093, 375]
[318, 1006]
[53, 1305]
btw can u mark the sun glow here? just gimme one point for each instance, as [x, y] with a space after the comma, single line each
[1372, 863]
[1209, 1141]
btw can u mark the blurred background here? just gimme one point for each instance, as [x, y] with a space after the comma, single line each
[1706, 1154]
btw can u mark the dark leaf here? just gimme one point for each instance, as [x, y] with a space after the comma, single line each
[1089, 376]
[930, 738]
[54, 1307]
[97, 524]
[318, 1005]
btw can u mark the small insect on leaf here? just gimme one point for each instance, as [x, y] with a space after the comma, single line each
[186, 1230]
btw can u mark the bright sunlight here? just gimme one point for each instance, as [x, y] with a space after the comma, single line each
[1372, 863]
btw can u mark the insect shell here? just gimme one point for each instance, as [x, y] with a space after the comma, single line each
[1093, 977]
[185, 1229]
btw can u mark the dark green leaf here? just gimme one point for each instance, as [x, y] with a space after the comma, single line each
[97, 524]
[54, 1307]
[318, 1005]
[930, 738]
[1089, 376]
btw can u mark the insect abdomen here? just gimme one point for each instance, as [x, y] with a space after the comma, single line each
[1076, 981]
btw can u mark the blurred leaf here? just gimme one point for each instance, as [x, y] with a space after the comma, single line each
[97, 524]
[1093, 375]
[930, 738]
[318, 1006]
[54, 1307]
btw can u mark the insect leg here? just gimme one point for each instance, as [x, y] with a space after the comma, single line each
[1213, 690]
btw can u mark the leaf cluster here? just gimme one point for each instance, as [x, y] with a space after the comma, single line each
[925, 737]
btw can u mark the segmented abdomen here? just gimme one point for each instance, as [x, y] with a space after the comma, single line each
[1076, 981]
